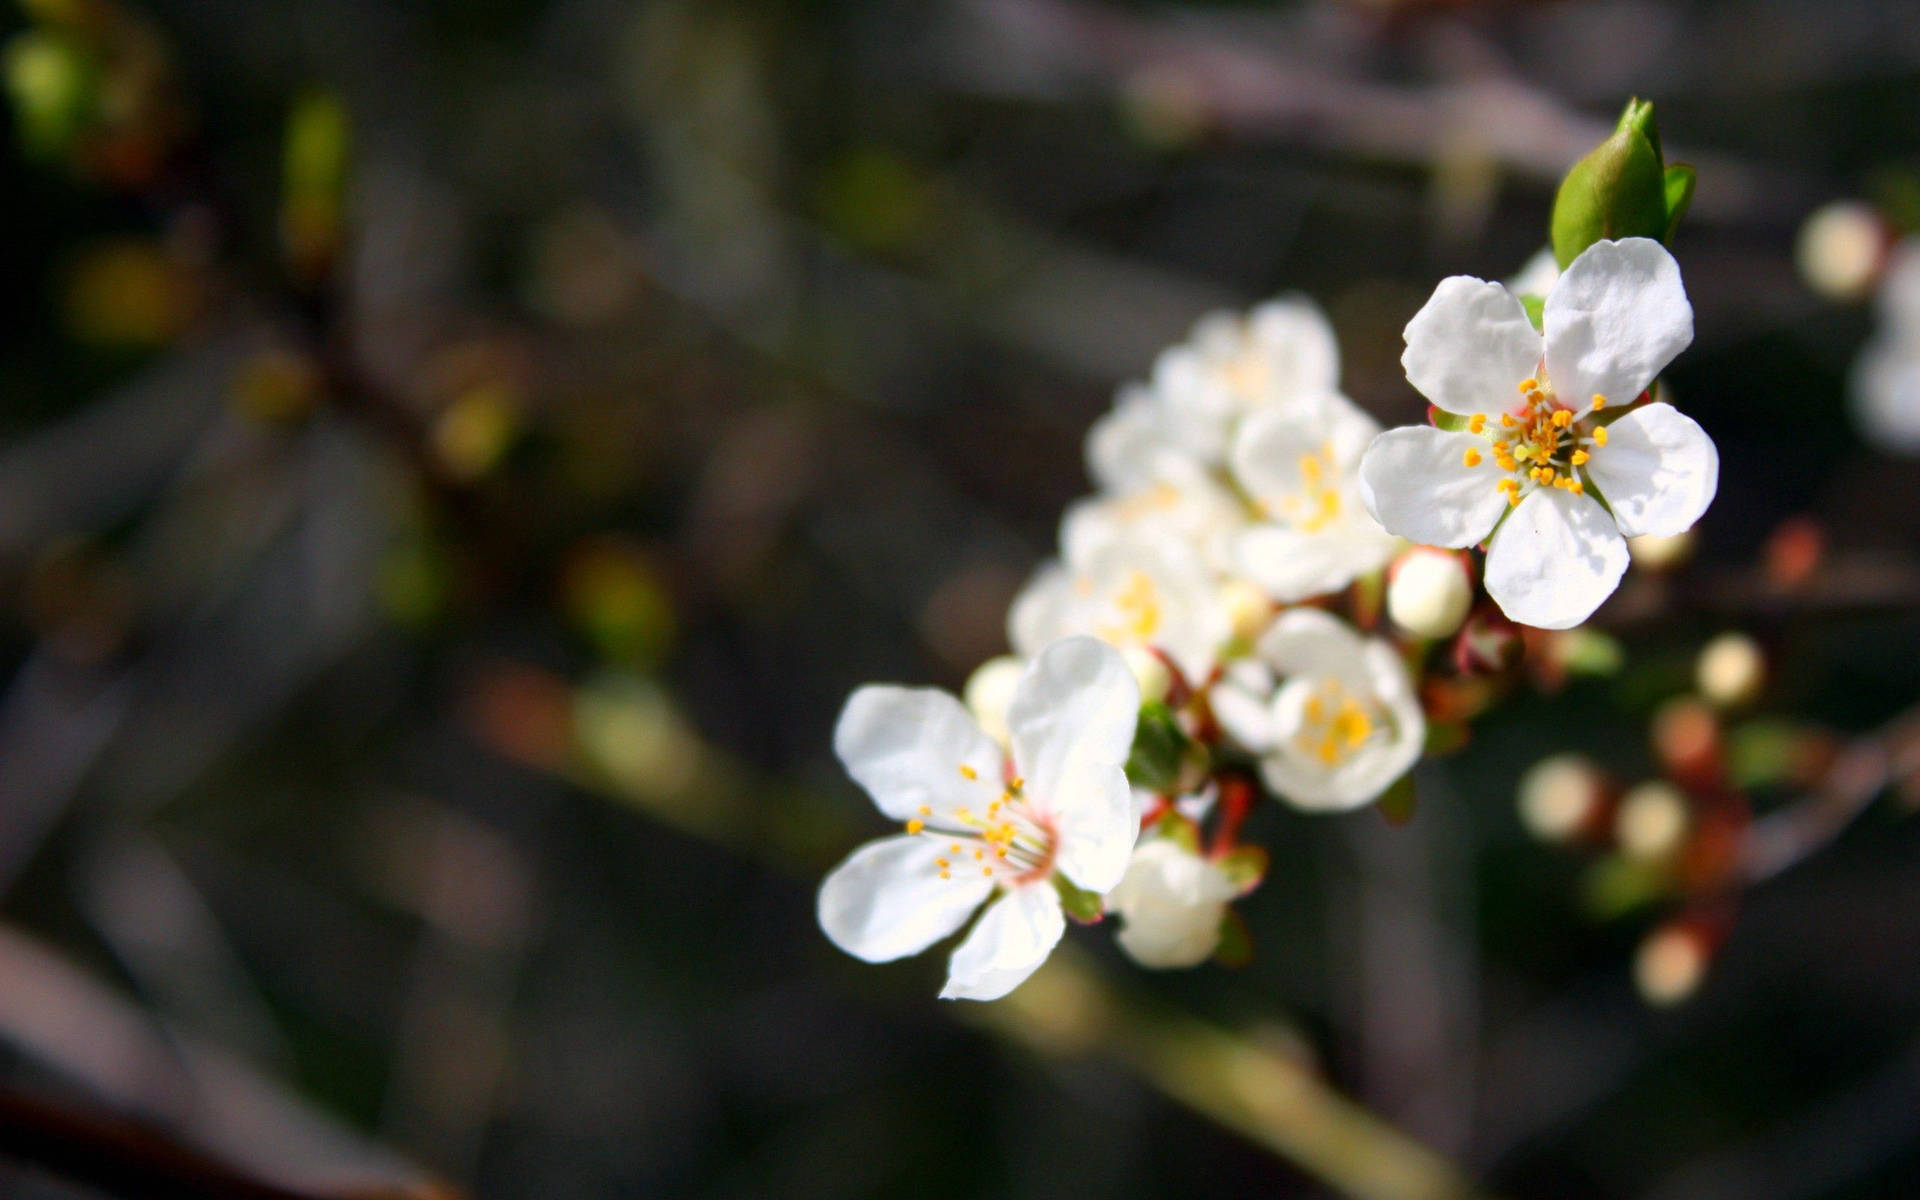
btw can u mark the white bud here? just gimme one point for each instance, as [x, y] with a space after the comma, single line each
[1430, 594]
[1670, 965]
[1841, 249]
[1651, 822]
[1249, 610]
[1150, 672]
[1660, 552]
[1730, 670]
[1170, 903]
[1558, 796]
[988, 692]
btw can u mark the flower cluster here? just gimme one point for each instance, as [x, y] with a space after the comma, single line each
[1265, 586]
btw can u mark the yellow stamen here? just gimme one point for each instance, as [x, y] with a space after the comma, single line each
[926, 810]
[1562, 419]
[1471, 458]
[1507, 420]
[1600, 436]
[1580, 458]
[1476, 422]
[1599, 402]
[915, 826]
[968, 772]
[1529, 384]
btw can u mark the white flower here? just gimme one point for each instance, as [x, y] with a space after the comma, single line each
[1232, 365]
[1171, 903]
[1198, 517]
[1530, 436]
[1537, 275]
[1886, 376]
[1343, 723]
[1300, 463]
[1133, 592]
[979, 822]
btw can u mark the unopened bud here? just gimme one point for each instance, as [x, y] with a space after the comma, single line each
[1660, 552]
[1841, 249]
[1651, 822]
[1249, 610]
[1670, 965]
[990, 690]
[1150, 671]
[1730, 670]
[1430, 594]
[1620, 189]
[1559, 797]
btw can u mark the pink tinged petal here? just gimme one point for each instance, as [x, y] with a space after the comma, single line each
[1658, 471]
[915, 747]
[1555, 559]
[1470, 346]
[1072, 720]
[887, 900]
[1009, 942]
[1415, 482]
[1616, 317]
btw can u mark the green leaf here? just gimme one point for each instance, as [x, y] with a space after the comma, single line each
[1236, 944]
[1590, 652]
[1618, 190]
[1536, 307]
[1398, 802]
[1680, 180]
[1159, 745]
[1615, 886]
[1083, 906]
[1176, 827]
[1246, 866]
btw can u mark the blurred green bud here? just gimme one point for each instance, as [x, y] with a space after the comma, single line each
[1621, 189]
[55, 91]
[1160, 750]
[316, 168]
[1083, 906]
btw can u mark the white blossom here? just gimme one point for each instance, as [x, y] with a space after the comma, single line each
[982, 822]
[1133, 592]
[1886, 376]
[1170, 904]
[1332, 714]
[1300, 465]
[1538, 428]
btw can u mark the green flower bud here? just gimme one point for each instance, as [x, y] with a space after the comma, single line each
[55, 91]
[1160, 748]
[1621, 189]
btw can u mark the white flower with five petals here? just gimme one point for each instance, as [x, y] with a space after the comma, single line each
[1300, 465]
[982, 822]
[1131, 590]
[1531, 436]
[1170, 904]
[1332, 714]
[1232, 365]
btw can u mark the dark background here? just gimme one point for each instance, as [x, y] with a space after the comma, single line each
[471, 790]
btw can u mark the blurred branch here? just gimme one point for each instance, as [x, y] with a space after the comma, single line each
[1785, 837]
[85, 1033]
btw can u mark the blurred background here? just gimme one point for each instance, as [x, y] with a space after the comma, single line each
[455, 458]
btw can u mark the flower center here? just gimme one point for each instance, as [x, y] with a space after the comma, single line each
[1136, 609]
[1334, 724]
[1317, 504]
[1247, 375]
[1542, 442]
[1011, 840]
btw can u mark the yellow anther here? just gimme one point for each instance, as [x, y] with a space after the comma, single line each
[1580, 458]
[926, 810]
[942, 863]
[1015, 784]
[1471, 458]
[1546, 475]
[1000, 853]
[1577, 488]
[1600, 436]
[1529, 384]
[978, 855]
[986, 870]
[1599, 402]
[1513, 498]
[1562, 419]
[915, 826]
[968, 772]
[1476, 422]
[1507, 420]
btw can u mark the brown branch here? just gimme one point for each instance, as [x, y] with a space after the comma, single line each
[1788, 836]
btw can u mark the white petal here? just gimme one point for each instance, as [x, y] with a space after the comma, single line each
[1886, 396]
[1010, 941]
[1616, 317]
[1292, 566]
[1072, 720]
[887, 900]
[907, 748]
[1470, 346]
[1299, 342]
[1128, 449]
[1271, 443]
[1044, 610]
[1097, 826]
[1415, 483]
[1658, 471]
[1555, 559]
[1308, 641]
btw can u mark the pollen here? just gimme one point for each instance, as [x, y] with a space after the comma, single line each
[916, 825]
[967, 772]
[1580, 458]
[1477, 423]
[986, 870]
[1599, 402]
[1600, 436]
[1529, 384]
[1507, 420]
[1562, 419]
[926, 810]
[1471, 458]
